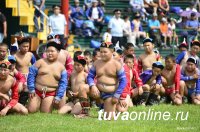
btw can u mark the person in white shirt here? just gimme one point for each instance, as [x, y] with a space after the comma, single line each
[150, 6]
[116, 24]
[107, 37]
[58, 24]
[191, 7]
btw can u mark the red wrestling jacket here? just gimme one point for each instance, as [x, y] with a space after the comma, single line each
[69, 65]
[20, 78]
[136, 78]
[177, 77]
[14, 95]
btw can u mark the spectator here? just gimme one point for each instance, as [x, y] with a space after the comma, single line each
[127, 28]
[138, 6]
[101, 3]
[171, 31]
[163, 7]
[197, 3]
[107, 37]
[191, 7]
[57, 24]
[116, 24]
[193, 27]
[95, 14]
[182, 25]
[76, 17]
[150, 6]
[154, 29]
[137, 30]
[37, 14]
[87, 4]
[3, 27]
[164, 30]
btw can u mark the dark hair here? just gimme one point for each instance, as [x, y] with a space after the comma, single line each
[56, 6]
[94, 53]
[116, 10]
[125, 17]
[129, 57]
[87, 52]
[5, 45]
[128, 46]
[55, 45]
[171, 56]
[77, 53]
[23, 40]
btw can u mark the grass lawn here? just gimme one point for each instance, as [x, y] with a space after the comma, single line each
[53, 122]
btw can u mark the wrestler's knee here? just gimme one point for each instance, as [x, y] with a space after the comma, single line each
[146, 87]
[196, 101]
[24, 111]
[177, 101]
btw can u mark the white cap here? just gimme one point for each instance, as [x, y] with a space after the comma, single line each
[164, 19]
[93, 1]
[155, 14]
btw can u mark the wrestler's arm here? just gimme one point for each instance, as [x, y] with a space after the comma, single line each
[62, 86]
[198, 84]
[69, 65]
[186, 78]
[19, 77]
[137, 79]
[139, 65]
[91, 76]
[180, 57]
[177, 78]
[122, 81]
[33, 71]
[158, 79]
[15, 95]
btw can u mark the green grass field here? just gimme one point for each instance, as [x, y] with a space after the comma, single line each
[54, 122]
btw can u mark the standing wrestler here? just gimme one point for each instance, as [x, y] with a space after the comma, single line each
[77, 84]
[171, 80]
[47, 81]
[111, 78]
[146, 59]
[191, 76]
[129, 92]
[8, 83]
[152, 84]
[24, 59]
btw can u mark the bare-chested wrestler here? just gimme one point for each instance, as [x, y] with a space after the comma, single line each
[47, 82]
[129, 92]
[64, 57]
[152, 84]
[9, 101]
[146, 59]
[191, 76]
[77, 104]
[183, 56]
[111, 78]
[171, 80]
[24, 59]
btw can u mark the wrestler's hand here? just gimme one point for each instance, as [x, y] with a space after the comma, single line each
[31, 95]
[4, 111]
[95, 92]
[56, 102]
[114, 100]
[75, 94]
[122, 103]
[140, 90]
[195, 76]
[69, 93]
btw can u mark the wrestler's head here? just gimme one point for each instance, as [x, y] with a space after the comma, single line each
[96, 54]
[157, 68]
[129, 49]
[106, 50]
[148, 45]
[170, 61]
[183, 47]
[5, 67]
[52, 51]
[195, 47]
[129, 60]
[118, 54]
[13, 61]
[24, 44]
[79, 63]
[191, 64]
[3, 51]
[88, 56]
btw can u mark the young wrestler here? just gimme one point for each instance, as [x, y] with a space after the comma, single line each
[151, 84]
[78, 82]
[183, 56]
[111, 78]
[13, 72]
[96, 55]
[9, 102]
[171, 80]
[129, 50]
[24, 58]
[47, 81]
[3, 51]
[88, 58]
[118, 55]
[146, 59]
[64, 56]
[128, 93]
[191, 76]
